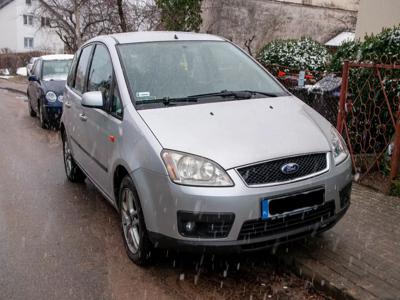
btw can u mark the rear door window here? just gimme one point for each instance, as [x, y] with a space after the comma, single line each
[80, 78]
[72, 70]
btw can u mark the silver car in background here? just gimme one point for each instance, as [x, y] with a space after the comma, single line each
[197, 146]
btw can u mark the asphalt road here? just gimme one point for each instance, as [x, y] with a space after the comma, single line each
[60, 240]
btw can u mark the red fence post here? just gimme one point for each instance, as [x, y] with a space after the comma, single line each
[394, 164]
[343, 96]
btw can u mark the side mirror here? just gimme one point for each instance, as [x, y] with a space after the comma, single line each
[93, 99]
[32, 78]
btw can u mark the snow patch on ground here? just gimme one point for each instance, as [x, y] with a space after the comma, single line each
[22, 71]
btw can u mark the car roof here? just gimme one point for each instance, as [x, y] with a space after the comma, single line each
[158, 36]
[57, 57]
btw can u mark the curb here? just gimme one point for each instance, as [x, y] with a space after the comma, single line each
[13, 90]
[316, 279]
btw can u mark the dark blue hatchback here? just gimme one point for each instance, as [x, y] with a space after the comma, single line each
[46, 88]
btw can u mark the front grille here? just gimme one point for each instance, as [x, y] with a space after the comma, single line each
[270, 171]
[259, 228]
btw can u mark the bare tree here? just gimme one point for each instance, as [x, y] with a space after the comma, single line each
[248, 42]
[76, 21]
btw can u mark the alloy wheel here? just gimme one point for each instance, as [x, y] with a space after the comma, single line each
[67, 158]
[130, 221]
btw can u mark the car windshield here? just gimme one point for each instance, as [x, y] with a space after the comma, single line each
[56, 69]
[181, 69]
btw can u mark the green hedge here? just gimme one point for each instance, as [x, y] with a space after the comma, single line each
[382, 48]
[303, 54]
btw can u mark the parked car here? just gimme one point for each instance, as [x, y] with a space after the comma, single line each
[30, 65]
[46, 87]
[197, 146]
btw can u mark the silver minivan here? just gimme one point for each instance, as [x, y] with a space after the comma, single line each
[197, 146]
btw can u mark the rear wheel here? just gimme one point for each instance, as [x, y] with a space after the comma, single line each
[134, 232]
[73, 172]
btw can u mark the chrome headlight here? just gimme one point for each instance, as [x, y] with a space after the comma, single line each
[60, 98]
[188, 169]
[339, 148]
[51, 96]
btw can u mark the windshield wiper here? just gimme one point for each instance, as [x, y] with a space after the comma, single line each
[166, 100]
[245, 94]
[261, 93]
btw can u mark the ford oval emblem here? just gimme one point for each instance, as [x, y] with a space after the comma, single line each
[290, 168]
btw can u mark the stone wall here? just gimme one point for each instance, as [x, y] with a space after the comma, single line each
[266, 20]
[343, 4]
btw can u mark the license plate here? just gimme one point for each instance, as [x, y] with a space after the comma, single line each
[264, 209]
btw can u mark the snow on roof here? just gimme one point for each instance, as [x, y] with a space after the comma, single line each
[341, 38]
[57, 57]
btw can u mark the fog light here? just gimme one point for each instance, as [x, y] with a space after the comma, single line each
[189, 226]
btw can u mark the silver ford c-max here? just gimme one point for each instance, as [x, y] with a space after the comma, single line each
[197, 146]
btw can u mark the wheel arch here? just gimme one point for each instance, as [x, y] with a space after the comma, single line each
[120, 172]
[62, 130]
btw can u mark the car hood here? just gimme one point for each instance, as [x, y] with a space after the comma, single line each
[56, 86]
[237, 133]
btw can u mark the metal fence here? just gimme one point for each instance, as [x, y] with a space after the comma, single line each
[368, 118]
[323, 98]
[365, 108]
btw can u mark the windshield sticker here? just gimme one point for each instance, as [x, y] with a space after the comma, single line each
[142, 94]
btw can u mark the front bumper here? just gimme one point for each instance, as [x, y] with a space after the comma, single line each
[165, 242]
[162, 200]
[52, 112]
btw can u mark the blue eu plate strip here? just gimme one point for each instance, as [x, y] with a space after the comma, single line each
[264, 209]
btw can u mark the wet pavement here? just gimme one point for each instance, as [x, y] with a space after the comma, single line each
[60, 240]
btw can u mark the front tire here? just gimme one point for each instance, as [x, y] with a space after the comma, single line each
[32, 113]
[73, 172]
[134, 233]
[43, 121]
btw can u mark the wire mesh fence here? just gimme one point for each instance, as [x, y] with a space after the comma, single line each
[368, 118]
[321, 90]
[364, 103]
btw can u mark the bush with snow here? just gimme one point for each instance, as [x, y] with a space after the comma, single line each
[383, 48]
[302, 54]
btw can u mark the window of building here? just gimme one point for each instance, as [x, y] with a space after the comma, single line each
[45, 22]
[28, 20]
[28, 2]
[28, 43]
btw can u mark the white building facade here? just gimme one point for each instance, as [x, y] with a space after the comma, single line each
[21, 31]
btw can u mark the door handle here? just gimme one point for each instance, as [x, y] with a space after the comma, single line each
[83, 117]
[67, 104]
